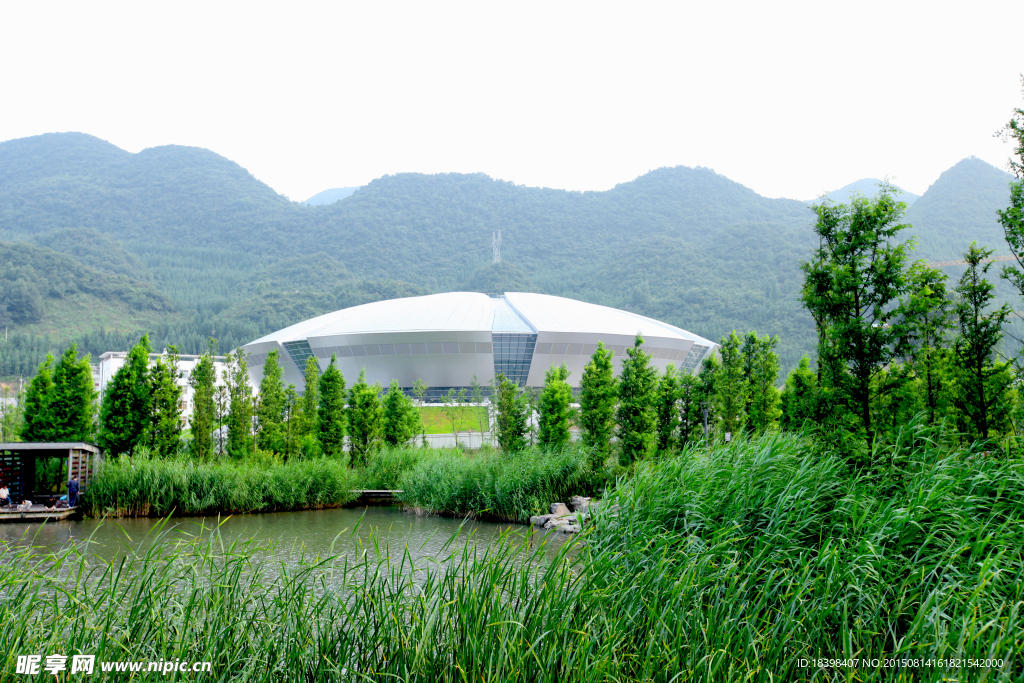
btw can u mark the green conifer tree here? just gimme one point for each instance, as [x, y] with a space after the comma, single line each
[165, 423]
[800, 396]
[851, 286]
[667, 407]
[38, 424]
[331, 415]
[401, 418]
[291, 407]
[270, 407]
[636, 415]
[74, 399]
[241, 440]
[707, 379]
[555, 409]
[928, 307]
[365, 418]
[598, 395]
[203, 421]
[984, 385]
[691, 424]
[731, 388]
[308, 424]
[127, 403]
[761, 371]
[511, 413]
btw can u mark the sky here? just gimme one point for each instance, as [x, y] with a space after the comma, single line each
[790, 99]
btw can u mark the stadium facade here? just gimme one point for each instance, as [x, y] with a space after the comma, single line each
[446, 340]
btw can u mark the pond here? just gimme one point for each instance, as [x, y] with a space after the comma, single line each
[295, 534]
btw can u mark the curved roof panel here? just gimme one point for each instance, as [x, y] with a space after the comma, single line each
[452, 311]
[556, 314]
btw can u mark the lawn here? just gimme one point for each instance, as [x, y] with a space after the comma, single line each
[467, 418]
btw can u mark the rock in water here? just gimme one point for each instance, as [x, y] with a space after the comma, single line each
[559, 509]
[539, 520]
[578, 503]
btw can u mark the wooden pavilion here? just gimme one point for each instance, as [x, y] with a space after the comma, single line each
[18, 466]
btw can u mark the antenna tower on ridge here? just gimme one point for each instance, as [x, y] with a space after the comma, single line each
[496, 246]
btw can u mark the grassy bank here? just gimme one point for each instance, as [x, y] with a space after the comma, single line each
[467, 418]
[151, 487]
[727, 565]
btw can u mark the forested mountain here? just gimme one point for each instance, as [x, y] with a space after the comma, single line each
[960, 207]
[237, 260]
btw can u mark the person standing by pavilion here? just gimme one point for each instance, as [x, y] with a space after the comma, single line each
[73, 491]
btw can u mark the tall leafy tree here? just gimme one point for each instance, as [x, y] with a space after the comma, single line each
[331, 415]
[637, 393]
[555, 408]
[667, 406]
[707, 378]
[74, 398]
[12, 415]
[241, 439]
[928, 309]
[731, 387]
[401, 418]
[270, 408]
[309, 407]
[852, 285]
[512, 413]
[38, 424]
[598, 395]
[365, 418]
[203, 421]
[164, 431]
[1012, 218]
[761, 371]
[127, 404]
[984, 384]
[691, 424]
[291, 406]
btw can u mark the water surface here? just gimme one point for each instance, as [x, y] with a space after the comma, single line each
[294, 535]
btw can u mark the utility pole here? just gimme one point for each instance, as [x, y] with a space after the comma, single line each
[496, 246]
[704, 409]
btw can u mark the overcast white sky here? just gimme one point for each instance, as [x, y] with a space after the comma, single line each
[790, 99]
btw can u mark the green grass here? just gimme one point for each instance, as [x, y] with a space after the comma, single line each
[723, 565]
[467, 417]
[144, 487]
[508, 487]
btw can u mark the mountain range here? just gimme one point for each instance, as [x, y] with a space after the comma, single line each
[205, 249]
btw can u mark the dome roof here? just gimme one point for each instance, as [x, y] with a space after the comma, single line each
[472, 311]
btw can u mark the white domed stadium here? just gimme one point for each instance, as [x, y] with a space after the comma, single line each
[446, 340]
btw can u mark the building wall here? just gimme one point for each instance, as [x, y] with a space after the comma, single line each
[112, 361]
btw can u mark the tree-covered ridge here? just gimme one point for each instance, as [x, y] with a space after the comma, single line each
[959, 208]
[684, 245]
[36, 277]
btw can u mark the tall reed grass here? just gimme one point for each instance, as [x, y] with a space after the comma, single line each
[500, 486]
[153, 487]
[385, 467]
[728, 565]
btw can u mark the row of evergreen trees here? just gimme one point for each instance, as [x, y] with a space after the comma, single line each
[647, 412]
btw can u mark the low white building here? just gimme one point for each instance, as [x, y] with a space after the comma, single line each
[112, 361]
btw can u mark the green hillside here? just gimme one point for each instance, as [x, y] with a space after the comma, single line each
[235, 260]
[960, 207]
